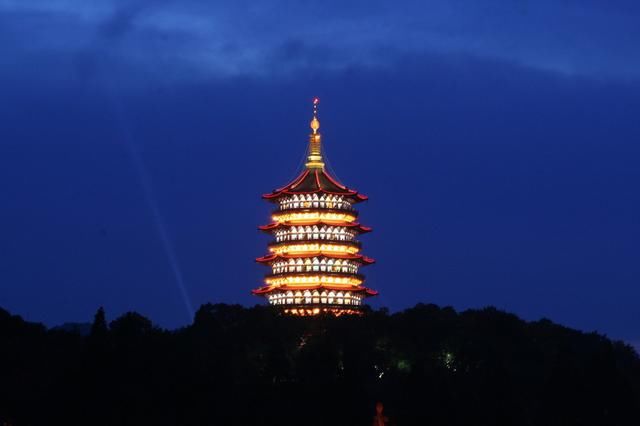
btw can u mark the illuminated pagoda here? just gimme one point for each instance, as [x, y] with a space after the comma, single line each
[315, 256]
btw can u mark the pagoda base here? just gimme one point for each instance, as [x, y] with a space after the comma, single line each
[313, 310]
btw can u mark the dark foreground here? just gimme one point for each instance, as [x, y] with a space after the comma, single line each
[239, 366]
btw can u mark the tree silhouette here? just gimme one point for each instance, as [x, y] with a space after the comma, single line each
[239, 366]
[99, 326]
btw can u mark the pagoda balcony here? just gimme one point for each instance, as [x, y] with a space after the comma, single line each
[315, 266]
[322, 298]
[315, 236]
[303, 217]
[344, 281]
[315, 205]
[337, 274]
[308, 310]
[352, 212]
[310, 301]
[314, 201]
[320, 242]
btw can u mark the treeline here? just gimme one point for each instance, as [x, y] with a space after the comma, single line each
[251, 366]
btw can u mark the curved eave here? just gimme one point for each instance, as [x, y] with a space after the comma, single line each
[275, 225]
[270, 288]
[356, 196]
[310, 182]
[357, 257]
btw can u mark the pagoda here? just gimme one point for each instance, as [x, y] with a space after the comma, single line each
[315, 255]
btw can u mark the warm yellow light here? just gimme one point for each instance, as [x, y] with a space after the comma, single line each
[327, 217]
[336, 312]
[313, 248]
[313, 280]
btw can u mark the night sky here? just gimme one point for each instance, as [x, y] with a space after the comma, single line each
[498, 141]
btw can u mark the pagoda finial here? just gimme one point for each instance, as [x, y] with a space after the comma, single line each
[315, 123]
[314, 158]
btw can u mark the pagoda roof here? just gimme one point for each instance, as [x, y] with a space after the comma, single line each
[315, 180]
[357, 289]
[276, 225]
[357, 257]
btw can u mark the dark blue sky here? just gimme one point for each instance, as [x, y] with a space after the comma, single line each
[499, 143]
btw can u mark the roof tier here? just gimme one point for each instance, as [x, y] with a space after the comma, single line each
[355, 289]
[279, 225]
[315, 180]
[356, 257]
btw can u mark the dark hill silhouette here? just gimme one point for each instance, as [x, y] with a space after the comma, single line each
[250, 366]
[82, 328]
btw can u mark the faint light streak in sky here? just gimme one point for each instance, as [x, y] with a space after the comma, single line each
[147, 189]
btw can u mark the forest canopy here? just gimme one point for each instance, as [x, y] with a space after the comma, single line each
[241, 366]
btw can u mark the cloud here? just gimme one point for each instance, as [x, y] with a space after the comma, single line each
[199, 39]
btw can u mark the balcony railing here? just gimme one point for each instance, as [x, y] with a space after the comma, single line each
[351, 243]
[319, 236]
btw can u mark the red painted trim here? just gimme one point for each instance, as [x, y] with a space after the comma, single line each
[360, 197]
[296, 181]
[268, 289]
[289, 189]
[358, 257]
[318, 179]
[275, 225]
[291, 185]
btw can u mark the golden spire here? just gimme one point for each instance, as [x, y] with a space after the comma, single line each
[314, 157]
